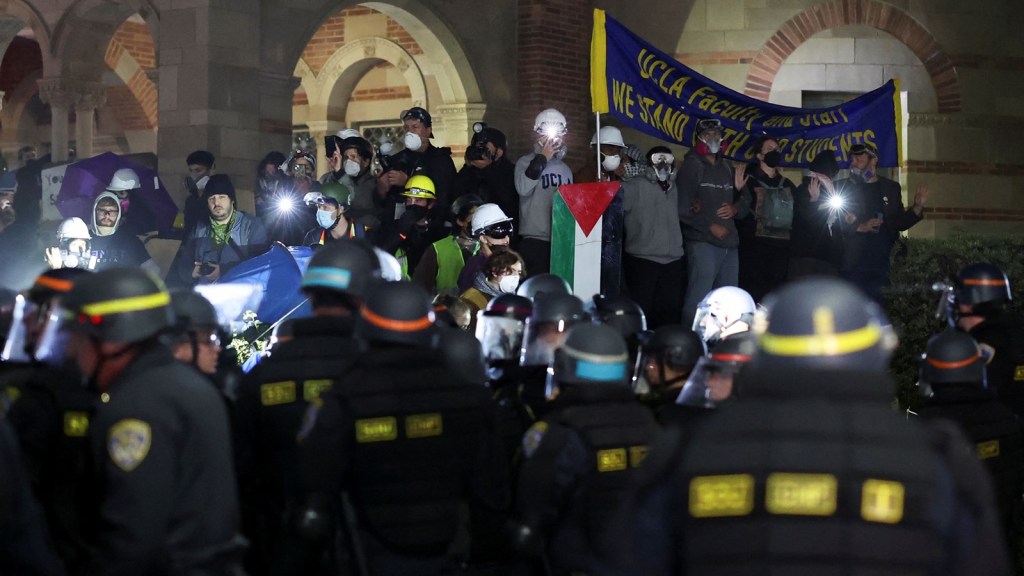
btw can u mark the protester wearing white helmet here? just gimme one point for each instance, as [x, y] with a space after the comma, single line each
[724, 312]
[493, 230]
[538, 176]
[612, 153]
[73, 249]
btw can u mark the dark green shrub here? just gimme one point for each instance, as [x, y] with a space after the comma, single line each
[911, 304]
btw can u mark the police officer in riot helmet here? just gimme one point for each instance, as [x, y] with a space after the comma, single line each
[954, 388]
[50, 411]
[813, 450]
[539, 283]
[713, 381]
[398, 447]
[627, 318]
[196, 331]
[580, 457]
[161, 430]
[982, 295]
[552, 316]
[666, 361]
[499, 328]
[722, 313]
[273, 397]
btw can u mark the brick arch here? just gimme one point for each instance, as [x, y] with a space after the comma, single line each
[874, 13]
[129, 55]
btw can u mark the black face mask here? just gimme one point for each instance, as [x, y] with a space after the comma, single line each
[772, 159]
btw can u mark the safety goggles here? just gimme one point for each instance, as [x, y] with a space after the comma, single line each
[499, 230]
[662, 158]
[863, 149]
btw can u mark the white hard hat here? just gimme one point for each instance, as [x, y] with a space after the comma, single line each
[552, 121]
[724, 307]
[349, 133]
[609, 135]
[124, 179]
[487, 215]
[390, 267]
[73, 229]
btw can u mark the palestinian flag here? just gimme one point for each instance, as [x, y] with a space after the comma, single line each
[577, 228]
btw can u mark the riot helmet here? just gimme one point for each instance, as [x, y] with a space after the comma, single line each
[341, 272]
[724, 311]
[34, 313]
[195, 324]
[552, 316]
[543, 283]
[669, 356]
[713, 379]
[983, 286]
[825, 324]
[592, 354]
[119, 305]
[462, 355]
[396, 313]
[951, 358]
[499, 327]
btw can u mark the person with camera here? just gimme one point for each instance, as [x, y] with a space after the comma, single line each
[488, 173]
[357, 174]
[289, 217]
[419, 158]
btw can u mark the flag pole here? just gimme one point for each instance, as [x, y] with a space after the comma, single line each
[597, 118]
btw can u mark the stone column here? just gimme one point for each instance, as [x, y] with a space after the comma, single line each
[276, 92]
[91, 98]
[54, 91]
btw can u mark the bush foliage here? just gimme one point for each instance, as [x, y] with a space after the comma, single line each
[911, 304]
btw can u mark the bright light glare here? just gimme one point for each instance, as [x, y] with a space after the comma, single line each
[285, 204]
[836, 202]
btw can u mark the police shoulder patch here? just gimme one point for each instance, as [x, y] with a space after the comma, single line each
[533, 437]
[128, 443]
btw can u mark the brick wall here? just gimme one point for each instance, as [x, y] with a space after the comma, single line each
[136, 39]
[553, 65]
[331, 36]
[21, 59]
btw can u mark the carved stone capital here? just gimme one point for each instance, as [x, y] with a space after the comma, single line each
[55, 92]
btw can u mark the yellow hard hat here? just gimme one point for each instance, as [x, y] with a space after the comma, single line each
[420, 186]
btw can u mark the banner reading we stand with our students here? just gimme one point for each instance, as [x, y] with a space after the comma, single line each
[652, 92]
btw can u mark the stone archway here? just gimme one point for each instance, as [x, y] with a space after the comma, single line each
[874, 13]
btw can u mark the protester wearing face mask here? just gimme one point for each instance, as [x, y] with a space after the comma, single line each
[357, 175]
[652, 264]
[764, 233]
[501, 274]
[200, 167]
[614, 159]
[875, 218]
[332, 222]
[420, 157]
[493, 230]
[288, 217]
[707, 207]
[488, 173]
[335, 155]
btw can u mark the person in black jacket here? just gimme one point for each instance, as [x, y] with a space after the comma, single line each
[816, 240]
[874, 219]
[489, 174]
[165, 495]
[420, 157]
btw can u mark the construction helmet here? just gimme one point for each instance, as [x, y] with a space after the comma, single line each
[397, 313]
[420, 186]
[609, 135]
[123, 180]
[347, 267]
[121, 305]
[550, 123]
[720, 310]
[486, 216]
[73, 229]
[592, 354]
[336, 191]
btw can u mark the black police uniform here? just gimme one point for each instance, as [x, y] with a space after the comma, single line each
[52, 418]
[167, 494]
[579, 460]
[994, 430]
[271, 402]
[410, 445]
[1003, 333]
[832, 482]
[24, 544]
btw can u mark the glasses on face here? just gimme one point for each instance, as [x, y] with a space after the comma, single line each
[499, 231]
[211, 339]
[106, 212]
[662, 158]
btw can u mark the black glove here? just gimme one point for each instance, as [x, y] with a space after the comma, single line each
[408, 220]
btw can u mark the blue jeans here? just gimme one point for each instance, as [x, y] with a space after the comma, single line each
[708, 267]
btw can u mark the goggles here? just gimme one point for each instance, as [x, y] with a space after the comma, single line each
[864, 149]
[499, 230]
[662, 158]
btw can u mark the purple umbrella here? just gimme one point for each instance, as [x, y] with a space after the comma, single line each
[151, 207]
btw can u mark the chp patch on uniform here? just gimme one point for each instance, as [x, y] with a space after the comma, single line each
[128, 443]
[533, 437]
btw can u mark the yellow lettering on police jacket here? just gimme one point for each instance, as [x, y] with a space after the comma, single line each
[988, 449]
[312, 389]
[376, 429]
[882, 501]
[276, 393]
[801, 494]
[423, 425]
[718, 496]
[612, 460]
[76, 424]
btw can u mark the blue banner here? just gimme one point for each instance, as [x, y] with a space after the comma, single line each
[652, 92]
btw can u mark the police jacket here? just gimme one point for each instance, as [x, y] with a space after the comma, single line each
[52, 419]
[271, 403]
[994, 431]
[411, 444]
[1003, 333]
[812, 472]
[579, 459]
[166, 489]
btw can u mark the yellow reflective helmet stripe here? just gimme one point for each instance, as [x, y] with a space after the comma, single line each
[122, 305]
[822, 344]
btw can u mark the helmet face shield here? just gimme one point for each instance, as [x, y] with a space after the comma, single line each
[51, 347]
[710, 383]
[540, 341]
[706, 324]
[500, 337]
[17, 336]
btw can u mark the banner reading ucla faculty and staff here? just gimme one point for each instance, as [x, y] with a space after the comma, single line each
[652, 92]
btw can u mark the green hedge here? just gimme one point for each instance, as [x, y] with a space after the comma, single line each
[911, 304]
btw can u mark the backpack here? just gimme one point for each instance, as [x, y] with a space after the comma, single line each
[777, 207]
